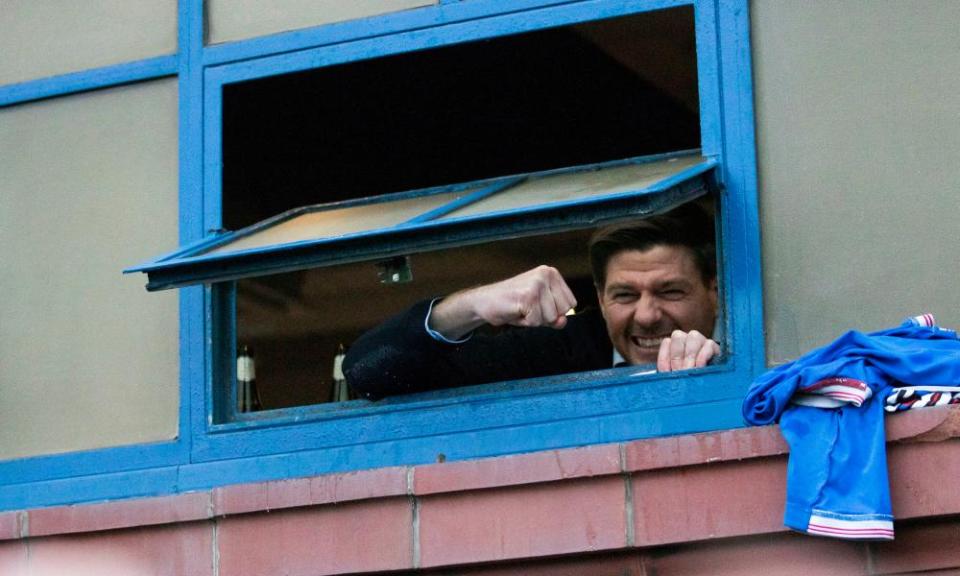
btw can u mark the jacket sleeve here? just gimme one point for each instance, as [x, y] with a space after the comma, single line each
[400, 357]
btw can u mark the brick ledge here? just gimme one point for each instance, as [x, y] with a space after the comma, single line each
[628, 459]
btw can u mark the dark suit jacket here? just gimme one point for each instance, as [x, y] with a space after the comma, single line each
[399, 356]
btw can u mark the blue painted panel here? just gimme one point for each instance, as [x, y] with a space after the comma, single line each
[708, 78]
[93, 79]
[741, 170]
[104, 486]
[212, 156]
[616, 427]
[89, 462]
[498, 393]
[494, 406]
[193, 356]
[220, 399]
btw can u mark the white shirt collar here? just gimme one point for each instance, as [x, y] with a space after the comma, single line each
[617, 358]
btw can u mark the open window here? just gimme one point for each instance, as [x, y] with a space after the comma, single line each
[336, 177]
[314, 278]
[554, 131]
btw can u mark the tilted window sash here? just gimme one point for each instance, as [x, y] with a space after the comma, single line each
[442, 217]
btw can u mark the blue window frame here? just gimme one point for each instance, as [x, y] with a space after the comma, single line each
[496, 419]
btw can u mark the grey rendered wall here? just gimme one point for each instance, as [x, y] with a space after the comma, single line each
[88, 358]
[239, 19]
[41, 38]
[858, 140]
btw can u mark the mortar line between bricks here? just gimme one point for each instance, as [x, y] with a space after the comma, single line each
[29, 552]
[415, 520]
[211, 506]
[415, 503]
[23, 524]
[644, 562]
[215, 543]
[627, 497]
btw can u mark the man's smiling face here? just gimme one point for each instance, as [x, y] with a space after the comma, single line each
[650, 294]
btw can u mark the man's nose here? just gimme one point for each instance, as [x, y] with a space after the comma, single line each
[647, 311]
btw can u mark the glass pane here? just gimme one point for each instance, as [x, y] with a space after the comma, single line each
[40, 38]
[334, 223]
[296, 322]
[578, 186]
[87, 358]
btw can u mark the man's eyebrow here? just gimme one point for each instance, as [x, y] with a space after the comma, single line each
[667, 284]
[674, 283]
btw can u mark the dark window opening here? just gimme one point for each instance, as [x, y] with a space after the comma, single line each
[555, 98]
[561, 97]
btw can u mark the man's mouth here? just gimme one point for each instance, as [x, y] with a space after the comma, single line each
[646, 342]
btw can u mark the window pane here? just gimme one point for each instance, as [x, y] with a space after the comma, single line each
[578, 186]
[324, 223]
[296, 322]
[239, 19]
[40, 38]
[87, 358]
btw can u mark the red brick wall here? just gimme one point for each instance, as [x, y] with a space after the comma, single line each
[700, 504]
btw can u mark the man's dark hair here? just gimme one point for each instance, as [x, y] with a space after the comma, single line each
[689, 226]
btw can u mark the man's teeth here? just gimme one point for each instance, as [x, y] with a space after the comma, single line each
[646, 342]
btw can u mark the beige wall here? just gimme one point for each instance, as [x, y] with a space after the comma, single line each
[239, 19]
[41, 38]
[89, 186]
[858, 125]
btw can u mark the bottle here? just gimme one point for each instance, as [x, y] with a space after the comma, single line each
[341, 392]
[248, 397]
